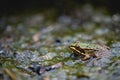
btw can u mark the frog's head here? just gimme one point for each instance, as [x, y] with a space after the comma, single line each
[74, 46]
[77, 49]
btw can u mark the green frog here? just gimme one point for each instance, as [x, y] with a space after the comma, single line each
[85, 50]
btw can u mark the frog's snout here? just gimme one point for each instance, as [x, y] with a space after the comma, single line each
[72, 47]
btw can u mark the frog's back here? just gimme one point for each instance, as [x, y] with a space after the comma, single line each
[89, 46]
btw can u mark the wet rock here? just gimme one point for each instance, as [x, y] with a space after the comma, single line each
[115, 49]
[57, 41]
[39, 69]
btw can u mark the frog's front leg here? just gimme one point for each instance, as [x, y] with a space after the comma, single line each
[86, 57]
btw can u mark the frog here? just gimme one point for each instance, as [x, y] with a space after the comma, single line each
[85, 50]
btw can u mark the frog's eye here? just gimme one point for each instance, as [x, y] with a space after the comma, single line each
[77, 43]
